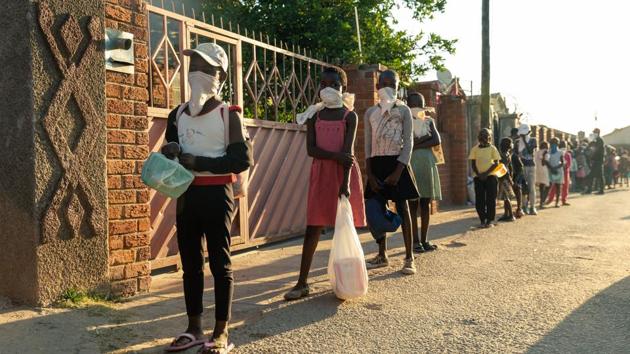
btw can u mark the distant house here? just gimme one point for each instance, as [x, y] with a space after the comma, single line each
[619, 137]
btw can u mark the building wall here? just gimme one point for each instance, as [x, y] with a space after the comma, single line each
[54, 187]
[127, 148]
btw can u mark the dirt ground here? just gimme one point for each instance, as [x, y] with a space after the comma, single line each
[555, 283]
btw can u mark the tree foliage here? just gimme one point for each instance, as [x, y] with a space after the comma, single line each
[327, 27]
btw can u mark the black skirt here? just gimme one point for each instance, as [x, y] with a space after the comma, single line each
[382, 167]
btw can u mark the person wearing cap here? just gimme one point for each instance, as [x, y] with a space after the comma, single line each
[208, 138]
[525, 147]
[597, 164]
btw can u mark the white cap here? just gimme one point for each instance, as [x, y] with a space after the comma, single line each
[524, 129]
[212, 53]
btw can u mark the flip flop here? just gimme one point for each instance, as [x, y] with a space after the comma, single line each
[221, 348]
[178, 348]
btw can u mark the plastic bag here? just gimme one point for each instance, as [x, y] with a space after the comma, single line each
[346, 265]
[166, 176]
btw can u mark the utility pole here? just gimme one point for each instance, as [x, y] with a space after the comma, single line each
[485, 64]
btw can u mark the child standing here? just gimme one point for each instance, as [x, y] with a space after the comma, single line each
[424, 166]
[484, 158]
[506, 193]
[197, 134]
[556, 168]
[567, 166]
[388, 147]
[331, 131]
[542, 171]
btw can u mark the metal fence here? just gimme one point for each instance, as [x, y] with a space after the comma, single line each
[272, 84]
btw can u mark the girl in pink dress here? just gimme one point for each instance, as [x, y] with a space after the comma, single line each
[331, 131]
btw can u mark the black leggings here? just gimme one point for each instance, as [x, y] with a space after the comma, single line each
[486, 198]
[206, 210]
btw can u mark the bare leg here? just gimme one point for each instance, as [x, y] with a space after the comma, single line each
[413, 210]
[403, 210]
[311, 239]
[425, 216]
[558, 188]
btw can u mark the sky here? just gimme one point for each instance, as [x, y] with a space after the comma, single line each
[562, 62]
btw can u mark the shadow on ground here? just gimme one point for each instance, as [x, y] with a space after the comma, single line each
[601, 325]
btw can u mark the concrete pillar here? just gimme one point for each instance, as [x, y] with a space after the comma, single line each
[53, 200]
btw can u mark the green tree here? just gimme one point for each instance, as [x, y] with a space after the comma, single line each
[327, 28]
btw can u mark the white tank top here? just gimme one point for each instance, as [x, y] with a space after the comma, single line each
[203, 135]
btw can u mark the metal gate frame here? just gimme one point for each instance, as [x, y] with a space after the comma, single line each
[289, 133]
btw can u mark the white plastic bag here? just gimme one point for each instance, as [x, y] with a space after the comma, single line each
[346, 265]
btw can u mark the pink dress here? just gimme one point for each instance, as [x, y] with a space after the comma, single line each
[327, 176]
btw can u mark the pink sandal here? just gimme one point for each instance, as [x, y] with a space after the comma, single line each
[221, 348]
[178, 348]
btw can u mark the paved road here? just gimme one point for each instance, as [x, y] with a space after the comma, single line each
[556, 283]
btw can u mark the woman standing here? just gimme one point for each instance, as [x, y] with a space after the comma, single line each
[542, 171]
[424, 166]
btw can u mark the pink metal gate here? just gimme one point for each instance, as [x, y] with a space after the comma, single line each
[272, 84]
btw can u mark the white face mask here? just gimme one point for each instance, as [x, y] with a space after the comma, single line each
[331, 98]
[202, 88]
[417, 112]
[387, 98]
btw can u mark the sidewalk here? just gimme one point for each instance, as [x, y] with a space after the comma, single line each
[147, 323]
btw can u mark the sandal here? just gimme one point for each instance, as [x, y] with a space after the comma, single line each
[216, 347]
[297, 293]
[428, 247]
[418, 248]
[377, 262]
[409, 268]
[192, 343]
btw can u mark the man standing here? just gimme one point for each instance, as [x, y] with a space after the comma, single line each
[597, 163]
[525, 146]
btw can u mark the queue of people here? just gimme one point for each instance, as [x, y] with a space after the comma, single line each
[402, 149]
[541, 173]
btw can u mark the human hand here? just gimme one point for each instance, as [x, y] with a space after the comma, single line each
[188, 161]
[171, 150]
[373, 183]
[393, 178]
[347, 160]
[344, 189]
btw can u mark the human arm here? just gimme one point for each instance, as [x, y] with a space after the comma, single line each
[405, 154]
[367, 134]
[348, 148]
[171, 149]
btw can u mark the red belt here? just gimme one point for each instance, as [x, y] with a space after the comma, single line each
[213, 180]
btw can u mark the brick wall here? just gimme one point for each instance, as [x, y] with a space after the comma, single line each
[452, 124]
[127, 148]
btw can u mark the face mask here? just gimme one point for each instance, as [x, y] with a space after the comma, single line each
[387, 98]
[417, 112]
[331, 98]
[202, 88]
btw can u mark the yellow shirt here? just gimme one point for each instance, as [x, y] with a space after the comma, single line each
[484, 157]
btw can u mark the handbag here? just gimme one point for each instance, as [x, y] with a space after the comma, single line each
[380, 218]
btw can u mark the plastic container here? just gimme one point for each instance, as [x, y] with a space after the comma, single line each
[166, 176]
